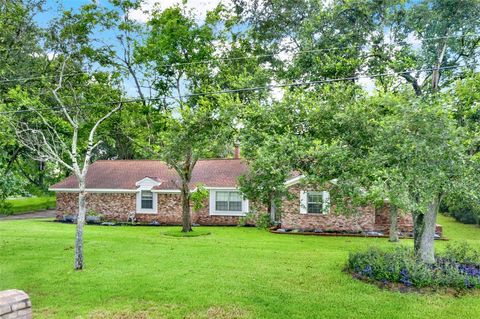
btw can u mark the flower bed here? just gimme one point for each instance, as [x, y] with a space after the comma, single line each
[344, 233]
[458, 268]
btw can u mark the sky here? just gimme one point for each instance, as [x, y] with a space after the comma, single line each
[198, 7]
[54, 7]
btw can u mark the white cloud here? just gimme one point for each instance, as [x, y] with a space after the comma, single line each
[368, 84]
[199, 8]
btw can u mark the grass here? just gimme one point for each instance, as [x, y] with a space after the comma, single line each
[28, 204]
[136, 272]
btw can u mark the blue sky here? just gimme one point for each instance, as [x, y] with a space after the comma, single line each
[198, 6]
[53, 9]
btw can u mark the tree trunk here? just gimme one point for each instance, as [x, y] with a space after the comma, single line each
[426, 250]
[82, 210]
[186, 220]
[393, 223]
[273, 210]
[41, 174]
[418, 224]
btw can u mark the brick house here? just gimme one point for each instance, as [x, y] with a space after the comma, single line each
[149, 191]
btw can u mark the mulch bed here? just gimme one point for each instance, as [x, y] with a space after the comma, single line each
[399, 287]
[332, 234]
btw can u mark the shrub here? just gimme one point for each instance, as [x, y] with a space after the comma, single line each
[462, 209]
[263, 221]
[260, 220]
[5, 208]
[458, 267]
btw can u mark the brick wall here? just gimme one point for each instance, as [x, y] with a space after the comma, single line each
[368, 219]
[405, 221]
[117, 207]
[382, 220]
[113, 206]
[291, 217]
[15, 304]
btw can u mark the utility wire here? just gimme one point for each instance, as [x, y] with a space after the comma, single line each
[310, 51]
[300, 52]
[259, 88]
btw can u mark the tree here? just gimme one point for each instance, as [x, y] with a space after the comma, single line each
[268, 147]
[190, 125]
[61, 138]
[19, 60]
[267, 172]
[433, 36]
[428, 151]
[414, 154]
[69, 107]
[312, 39]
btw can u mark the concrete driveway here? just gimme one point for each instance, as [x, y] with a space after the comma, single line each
[50, 213]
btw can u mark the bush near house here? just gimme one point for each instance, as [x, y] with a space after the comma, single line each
[457, 267]
[28, 204]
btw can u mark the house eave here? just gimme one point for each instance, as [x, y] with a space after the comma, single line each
[111, 190]
[293, 181]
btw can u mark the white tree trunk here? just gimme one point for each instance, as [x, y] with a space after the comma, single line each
[82, 211]
[426, 250]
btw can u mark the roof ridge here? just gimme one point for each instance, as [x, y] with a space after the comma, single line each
[157, 160]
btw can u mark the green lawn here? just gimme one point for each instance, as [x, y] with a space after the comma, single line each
[28, 204]
[136, 272]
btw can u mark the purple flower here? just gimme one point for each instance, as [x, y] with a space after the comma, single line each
[367, 270]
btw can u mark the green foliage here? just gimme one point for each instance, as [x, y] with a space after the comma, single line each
[464, 209]
[260, 220]
[93, 213]
[199, 197]
[263, 221]
[462, 253]
[457, 267]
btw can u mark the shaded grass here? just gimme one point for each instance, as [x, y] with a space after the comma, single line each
[28, 204]
[135, 272]
[177, 232]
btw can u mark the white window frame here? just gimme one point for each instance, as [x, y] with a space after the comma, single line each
[304, 202]
[152, 210]
[212, 203]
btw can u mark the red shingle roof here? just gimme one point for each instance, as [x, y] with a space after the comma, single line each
[123, 174]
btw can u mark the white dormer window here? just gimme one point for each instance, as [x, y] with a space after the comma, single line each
[146, 199]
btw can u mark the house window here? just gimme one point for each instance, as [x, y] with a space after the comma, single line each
[147, 200]
[314, 202]
[228, 201]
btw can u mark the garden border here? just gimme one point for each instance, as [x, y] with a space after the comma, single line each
[345, 235]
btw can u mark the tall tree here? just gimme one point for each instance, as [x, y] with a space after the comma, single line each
[434, 37]
[193, 125]
[20, 60]
[65, 135]
[414, 154]
[69, 108]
